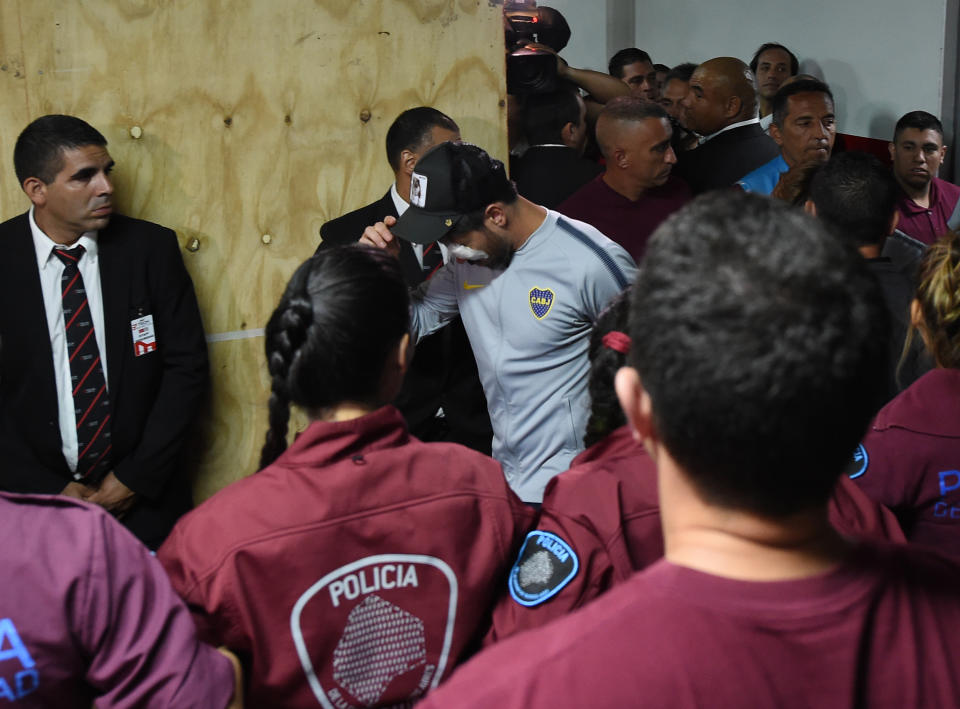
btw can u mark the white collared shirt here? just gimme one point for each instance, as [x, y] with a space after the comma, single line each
[51, 271]
[729, 127]
[401, 205]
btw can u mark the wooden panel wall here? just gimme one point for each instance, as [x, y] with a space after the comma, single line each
[244, 125]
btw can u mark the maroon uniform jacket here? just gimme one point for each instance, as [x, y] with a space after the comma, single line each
[356, 570]
[600, 523]
[910, 460]
[878, 630]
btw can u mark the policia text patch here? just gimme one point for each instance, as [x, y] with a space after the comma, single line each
[545, 565]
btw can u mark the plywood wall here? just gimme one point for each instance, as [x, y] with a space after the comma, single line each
[244, 125]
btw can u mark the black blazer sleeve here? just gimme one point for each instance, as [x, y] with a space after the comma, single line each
[153, 396]
[348, 228]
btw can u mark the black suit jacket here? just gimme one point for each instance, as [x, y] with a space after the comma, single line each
[152, 397]
[723, 160]
[548, 174]
[443, 372]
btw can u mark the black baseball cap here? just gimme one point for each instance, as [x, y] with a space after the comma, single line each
[449, 181]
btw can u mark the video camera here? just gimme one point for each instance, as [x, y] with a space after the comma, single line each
[531, 69]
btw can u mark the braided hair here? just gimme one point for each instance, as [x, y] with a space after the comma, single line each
[340, 316]
[606, 358]
[939, 296]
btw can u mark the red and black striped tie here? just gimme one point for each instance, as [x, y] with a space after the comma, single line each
[90, 401]
[432, 260]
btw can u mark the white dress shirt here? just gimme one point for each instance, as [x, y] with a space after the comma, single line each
[401, 206]
[729, 127]
[51, 271]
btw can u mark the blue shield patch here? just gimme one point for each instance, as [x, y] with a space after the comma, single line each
[545, 565]
[541, 300]
[858, 463]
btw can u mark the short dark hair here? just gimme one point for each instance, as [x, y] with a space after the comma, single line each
[632, 108]
[855, 195]
[605, 413]
[628, 108]
[661, 67]
[625, 57]
[760, 339]
[682, 72]
[545, 115]
[794, 62]
[920, 120]
[800, 86]
[328, 338]
[39, 149]
[412, 129]
[478, 174]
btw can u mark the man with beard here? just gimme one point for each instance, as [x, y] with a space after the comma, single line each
[528, 284]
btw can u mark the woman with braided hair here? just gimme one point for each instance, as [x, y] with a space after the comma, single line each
[359, 564]
[910, 458]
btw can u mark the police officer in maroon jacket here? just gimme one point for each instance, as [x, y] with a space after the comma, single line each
[910, 458]
[359, 565]
[755, 364]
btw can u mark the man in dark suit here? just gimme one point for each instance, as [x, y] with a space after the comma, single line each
[553, 167]
[441, 399]
[721, 105]
[103, 360]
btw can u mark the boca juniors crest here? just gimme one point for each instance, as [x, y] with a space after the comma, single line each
[541, 300]
[377, 630]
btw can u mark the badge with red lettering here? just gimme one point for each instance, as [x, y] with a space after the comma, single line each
[545, 565]
[541, 300]
[144, 336]
[376, 631]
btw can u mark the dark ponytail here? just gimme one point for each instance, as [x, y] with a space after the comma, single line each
[342, 313]
[608, 352]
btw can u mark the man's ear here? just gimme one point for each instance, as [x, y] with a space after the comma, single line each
[734, 106]
[893, 151]
[36, 190]
[810, 208]
[496, 214]
[404, 352]
[568, 133]
[620, 158]
[636, 404]
[894, 221]
[776, 134]
[408, 160]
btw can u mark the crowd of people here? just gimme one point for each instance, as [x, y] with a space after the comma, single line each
[666, 415]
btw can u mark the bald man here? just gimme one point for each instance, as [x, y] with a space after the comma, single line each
[721, 106]
[637, 191]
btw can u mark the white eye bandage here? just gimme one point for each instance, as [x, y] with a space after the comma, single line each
[466, 253]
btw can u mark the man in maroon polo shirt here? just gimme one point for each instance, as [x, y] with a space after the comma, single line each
[753, 370]
[925, 202]
[636, 192]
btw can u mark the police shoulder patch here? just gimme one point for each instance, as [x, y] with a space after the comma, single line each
[545, 565]
[858, 463]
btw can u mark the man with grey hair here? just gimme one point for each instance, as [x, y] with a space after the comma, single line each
[637, 191]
